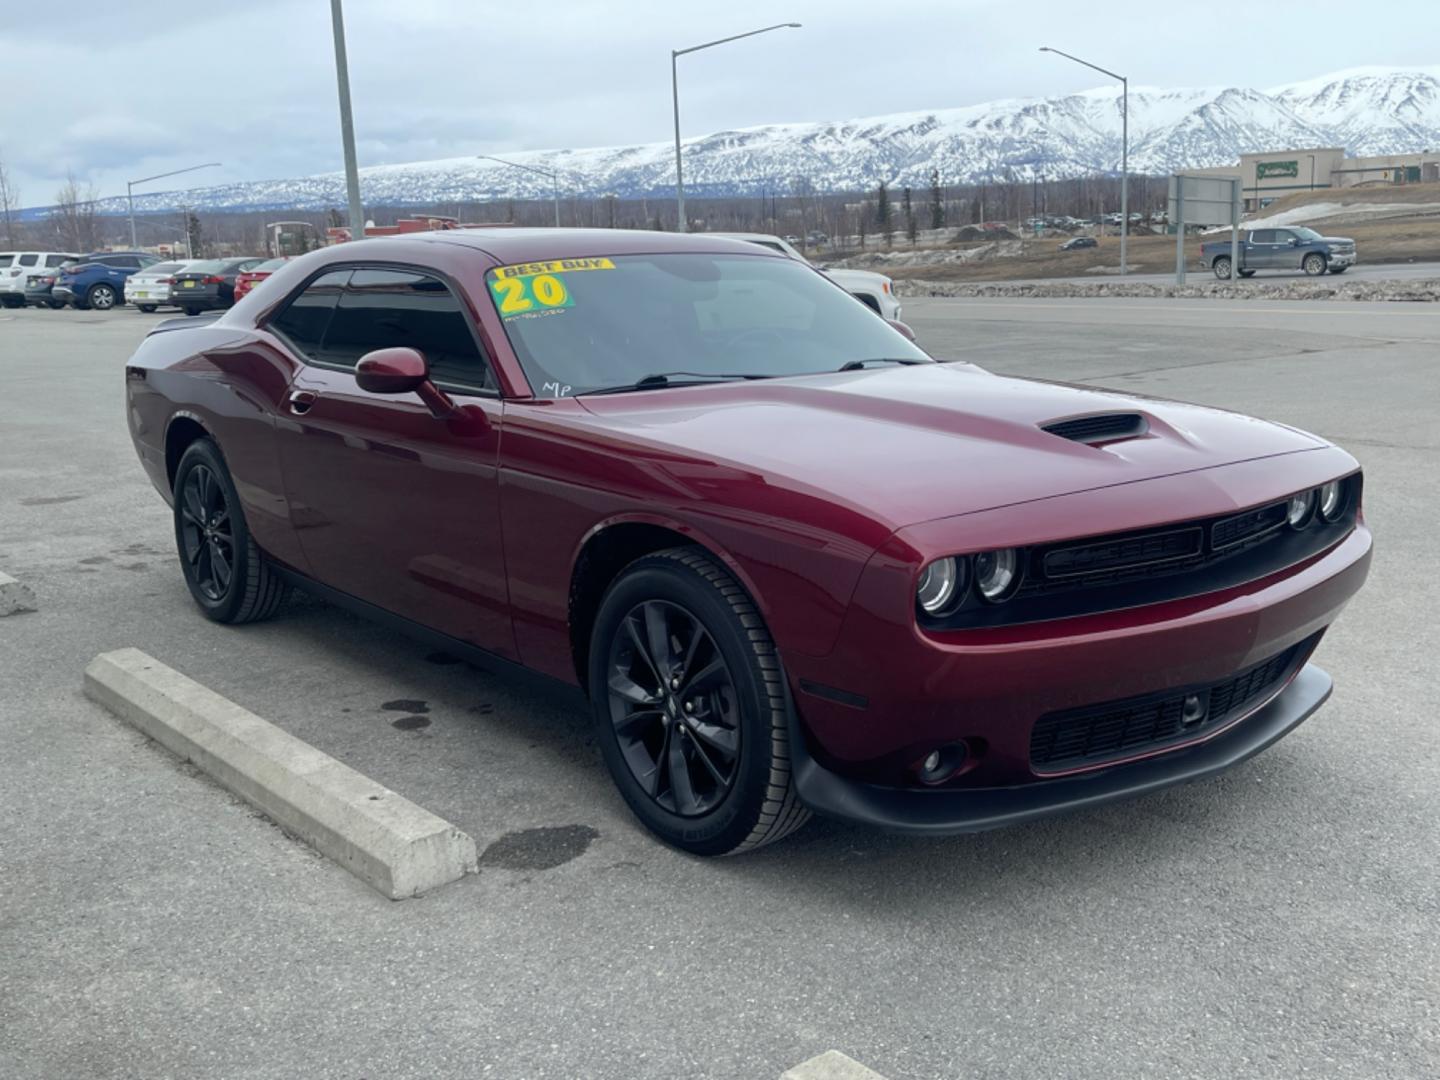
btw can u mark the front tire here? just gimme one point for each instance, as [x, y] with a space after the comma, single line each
[1313, 264]
[690, 706]
[224, 569]
[1222, 268]
[1338, 269]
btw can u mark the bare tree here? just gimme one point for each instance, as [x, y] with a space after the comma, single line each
[73, 216]
[9, 200]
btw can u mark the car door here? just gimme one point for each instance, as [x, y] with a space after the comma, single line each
[392, 504]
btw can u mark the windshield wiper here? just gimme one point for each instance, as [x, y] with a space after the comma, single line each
[858, 365]
[663, 379]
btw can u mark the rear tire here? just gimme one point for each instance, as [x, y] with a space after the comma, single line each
[55, 305]
[192, 311]
[1247, 273]
[101, 297]
[224, 569]
[1221, 266]
[690, 706]
[1313, 264]
[148, 309]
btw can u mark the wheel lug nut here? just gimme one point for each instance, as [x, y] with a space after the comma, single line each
[689, 706]
[674, 684]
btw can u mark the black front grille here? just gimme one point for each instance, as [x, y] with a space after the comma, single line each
[1102, 427]
[1115, 730]
[1105, 555]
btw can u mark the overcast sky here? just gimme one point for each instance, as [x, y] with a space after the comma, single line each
[134, 88]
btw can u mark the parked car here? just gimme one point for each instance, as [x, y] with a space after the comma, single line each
[248, 279]
[794, 563]
[149, 289]
[1294, 248]
[98, 281]
[875, 291]
[20, 271]
[1077, 242]
[40, 289]
[209, 284]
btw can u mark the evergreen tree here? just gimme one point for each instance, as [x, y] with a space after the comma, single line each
[911, 228]
[884, 216]
[937, 201]
[194, 237]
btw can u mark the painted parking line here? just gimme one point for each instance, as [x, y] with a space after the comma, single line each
[15, 597]
[831, 1065]
[384, 839]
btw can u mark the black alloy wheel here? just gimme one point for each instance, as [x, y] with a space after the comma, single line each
[207, 535]
[674, 707]
[691, 710]
[223, 566]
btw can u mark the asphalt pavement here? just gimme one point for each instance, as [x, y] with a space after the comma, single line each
[1279, 921]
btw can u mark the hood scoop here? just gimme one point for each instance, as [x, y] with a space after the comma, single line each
[1099, 427]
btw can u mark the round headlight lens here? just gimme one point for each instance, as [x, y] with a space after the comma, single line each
[997, 573]
[1297, 513]
[939, 584]
[1332, 500]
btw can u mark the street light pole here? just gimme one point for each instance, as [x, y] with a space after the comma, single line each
[554, 178]
[130, 191]
[1124, 148]
[347, 126]
[683, 225]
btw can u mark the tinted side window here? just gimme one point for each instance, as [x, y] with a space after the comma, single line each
[1263, 236]
[383, 308]
[52, 261]
[29, 260]
[303, 322]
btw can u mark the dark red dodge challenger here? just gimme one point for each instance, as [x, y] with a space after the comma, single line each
[794, 563]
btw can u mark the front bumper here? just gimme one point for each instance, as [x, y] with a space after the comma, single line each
[940, 811]
[1342, 258]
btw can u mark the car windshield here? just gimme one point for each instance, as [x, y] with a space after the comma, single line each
[1306, 234]
[587, 324]
[269, 266]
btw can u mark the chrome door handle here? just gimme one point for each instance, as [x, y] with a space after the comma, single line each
[300, 401]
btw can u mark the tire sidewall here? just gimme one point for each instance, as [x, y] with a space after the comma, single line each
[97, 291]
[1222, 265]
[1310, 260]
[204, 452]
[727, 825]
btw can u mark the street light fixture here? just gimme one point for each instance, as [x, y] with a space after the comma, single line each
[1124, 148]
[675, 54]
[130, 191]
[554, 178]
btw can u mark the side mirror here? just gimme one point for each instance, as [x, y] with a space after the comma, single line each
[896, 324]
[392, 371]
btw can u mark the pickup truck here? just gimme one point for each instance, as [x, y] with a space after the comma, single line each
[875, 291]
[1294, 248]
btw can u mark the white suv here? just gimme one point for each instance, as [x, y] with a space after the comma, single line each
[18, 267]
[875, 291]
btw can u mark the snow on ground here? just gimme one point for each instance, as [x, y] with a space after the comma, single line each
[1311, 213]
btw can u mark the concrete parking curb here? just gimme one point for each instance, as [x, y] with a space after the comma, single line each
[384, 839]
[831, 1065]
[15, 597]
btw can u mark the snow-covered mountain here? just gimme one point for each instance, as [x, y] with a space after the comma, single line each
[1366, 110]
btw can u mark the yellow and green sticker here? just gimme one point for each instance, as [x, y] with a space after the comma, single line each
[531, 288]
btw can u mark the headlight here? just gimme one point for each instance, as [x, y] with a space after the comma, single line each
[939, 585]
[1297, 513]
[997, 573]
[1332, 500]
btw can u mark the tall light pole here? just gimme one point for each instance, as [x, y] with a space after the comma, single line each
[1124, 148]
[130, 191]
[554, 178]
[675, 55]
[347, 126]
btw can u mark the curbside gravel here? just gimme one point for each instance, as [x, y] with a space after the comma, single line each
[15, 597]
[393, 845]
[1330, 288]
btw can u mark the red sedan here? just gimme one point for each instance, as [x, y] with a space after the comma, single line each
[248, 279]
[794, 563]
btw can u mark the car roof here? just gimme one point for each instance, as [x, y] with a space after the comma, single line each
[509, 245]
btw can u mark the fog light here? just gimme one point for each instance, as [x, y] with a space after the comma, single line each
[941, 763]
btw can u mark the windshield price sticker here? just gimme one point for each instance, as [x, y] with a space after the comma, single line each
[535, 288]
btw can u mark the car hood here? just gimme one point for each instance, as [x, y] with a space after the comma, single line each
[1337, 240]
[905, 445]
[856, 277]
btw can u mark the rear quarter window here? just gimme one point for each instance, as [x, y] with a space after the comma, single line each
[304, 320]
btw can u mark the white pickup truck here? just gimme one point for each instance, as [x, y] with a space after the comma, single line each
[874, 290]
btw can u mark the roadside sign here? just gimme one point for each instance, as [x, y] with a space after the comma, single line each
[1205, 201]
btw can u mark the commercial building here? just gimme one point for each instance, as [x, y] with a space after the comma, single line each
[1270, 176]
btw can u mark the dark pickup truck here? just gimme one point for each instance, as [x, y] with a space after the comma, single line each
[1294, 248]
